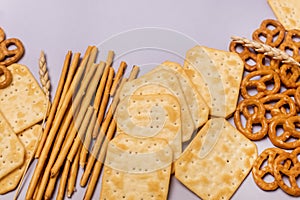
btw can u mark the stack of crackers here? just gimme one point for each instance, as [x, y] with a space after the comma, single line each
[168, 107]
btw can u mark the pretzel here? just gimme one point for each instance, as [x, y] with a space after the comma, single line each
[295, 95]
[246, 54]
[256, 117]
[272, 31]
[289, 75]
[289, 131]
[7, 77]
[290, 44]
[279, 106]
[264, 61]
[9, 56]
[2, 35]
[259, 170]
[266, 77]
[291, 173]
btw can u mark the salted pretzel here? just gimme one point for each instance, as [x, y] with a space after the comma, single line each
[295, 95]
[278, 106]
[267, 62]
[291, 44]
[260, 84]
[289, 132]
[272, 31]
[7, 77]
[253, 117]
[246, 54]
[291, 173]
[11, 50]
[264, 165]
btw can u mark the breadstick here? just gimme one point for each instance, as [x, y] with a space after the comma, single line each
[110, 58]
[73, 174]
[63, 181]
[87, 99]
[98, 166]
[53, 131]
[101, 135]
[92, 58]
[54, 104]
[70, 77]
[50, 187]
[134, 72]
[81, 133]
[87, 141]
[104, 100]
[119, 74]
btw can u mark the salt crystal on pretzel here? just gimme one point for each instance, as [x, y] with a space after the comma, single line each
[22, 113]
[217, 75]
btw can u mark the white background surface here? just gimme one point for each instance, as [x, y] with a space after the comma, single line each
[58, 26]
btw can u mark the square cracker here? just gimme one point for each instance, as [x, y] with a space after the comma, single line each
[12, 151]
[217, 75]
[162, 82]
[151, 115]
[198, 108]
[23, 103]
[29, 138]
[217, 160]
[287, 12]
[136, 168]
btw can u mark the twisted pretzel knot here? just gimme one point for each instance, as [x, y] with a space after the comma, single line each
[7, 77]
[11, 50]
[294, 94]
[259, 172]
[246, 54]
[254, 116]
[279, 106]
[265, 77]
[267, 62]
[292, 172]
[272, 31]
[289, 132]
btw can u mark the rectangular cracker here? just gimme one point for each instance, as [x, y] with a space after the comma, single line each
[136, 168]
[197, 106]
[29, 138]
[23, 103]
[12, 151]
[162, 82]
[287, 12]
[217, 160]
[217, 75]
[151, 115]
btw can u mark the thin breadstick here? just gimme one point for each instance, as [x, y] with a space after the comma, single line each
[134, 73]
[54, 104]
[101, 135]
[50, 187]
[63, 181]
[87, 141]
[35, 192]
[119, 75]
[92, 58]
[70, 77]
[78, 120]
[99, 163]
[73, 174]
[110, 58]
[81, 133]
[52, 133]
[104, 100]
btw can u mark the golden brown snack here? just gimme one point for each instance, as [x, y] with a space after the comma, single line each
[7, 77]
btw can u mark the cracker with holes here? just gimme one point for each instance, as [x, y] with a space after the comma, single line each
[23, 103]
[136, 168]
[287, 12]
[162, 82]
[29, 138]
[153, 115]
[217, 75]
[198, 108]
[12, 151]
[217, 160]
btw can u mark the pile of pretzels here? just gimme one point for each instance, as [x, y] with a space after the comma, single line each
[11, 51]
[270, 93]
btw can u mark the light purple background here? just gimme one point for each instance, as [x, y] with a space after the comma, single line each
[58, 26]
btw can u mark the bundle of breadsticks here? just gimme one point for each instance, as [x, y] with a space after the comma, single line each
[79, 119]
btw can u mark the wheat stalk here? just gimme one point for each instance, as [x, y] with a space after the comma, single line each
[44, 75]
[275, 53]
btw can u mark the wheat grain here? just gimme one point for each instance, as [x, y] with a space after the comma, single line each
[44, 75]
[275, 53]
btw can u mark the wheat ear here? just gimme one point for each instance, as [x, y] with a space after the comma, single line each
[275, 53]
